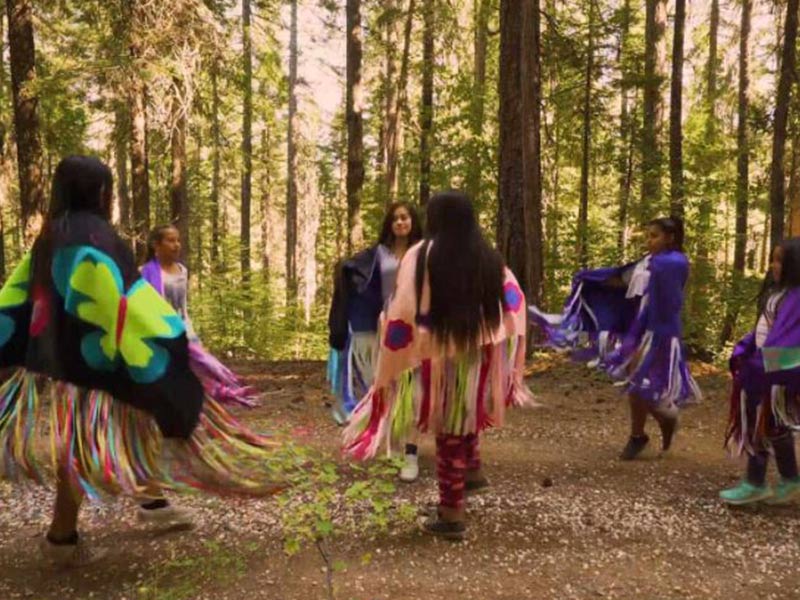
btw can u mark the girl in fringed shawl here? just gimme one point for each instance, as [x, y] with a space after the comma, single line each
[451, 356]
[765, 406]
[628, 321]
[102, 374]
[362, 287]
[164, 271]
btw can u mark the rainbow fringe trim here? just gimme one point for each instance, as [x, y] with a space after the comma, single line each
[108, 447]
[453, 397]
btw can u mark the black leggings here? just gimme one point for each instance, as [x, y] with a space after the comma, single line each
[785, 459]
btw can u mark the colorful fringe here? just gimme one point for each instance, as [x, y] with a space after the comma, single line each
[107, 446]
[752, 420]
[446, 397]
[654, 370]
[569, 331]
[355, 377]
[219, 381]
[334, 371]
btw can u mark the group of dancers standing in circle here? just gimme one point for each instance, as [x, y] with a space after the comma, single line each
[428, 335]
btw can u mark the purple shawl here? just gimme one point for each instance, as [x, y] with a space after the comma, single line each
[651, 358]
[778, 362]
[662, 312]
[151, 272]
[592, 307]
[219, 381]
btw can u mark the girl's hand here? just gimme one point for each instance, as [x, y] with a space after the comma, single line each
[615, 282]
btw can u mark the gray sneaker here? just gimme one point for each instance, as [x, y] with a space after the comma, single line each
[70, 556]
[167, 516]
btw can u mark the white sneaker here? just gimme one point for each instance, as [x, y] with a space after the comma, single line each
[70, 556]
[168, 516]
[339, 416]
[410, 471]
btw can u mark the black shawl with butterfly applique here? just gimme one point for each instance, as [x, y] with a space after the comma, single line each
[76, 310]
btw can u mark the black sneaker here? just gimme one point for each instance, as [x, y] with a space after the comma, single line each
[634, 447]
[449, 530]
[430, 510]
[477, 486]
[668, 429]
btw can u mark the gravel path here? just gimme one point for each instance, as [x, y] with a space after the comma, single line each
[563, 518]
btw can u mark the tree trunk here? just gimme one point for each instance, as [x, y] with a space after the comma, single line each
[387, 91]
[742, 176]
[291, 179]
[655, 22]
[625, 160]
[713, 63]
[478, 100]
[509, 205]
[26, 115]
[122, 128]
[519, 233]
[706, 205]
[586, 146]
[140, 178]
[340, 208]
[552, 131]
[355, 126]
[266, 200]
[676, 114]
[742, 141]
[247, 141]
[426, 112]
[215, 169]
[531, 83]
[777, 175]
[196, 263]
[793, 190]
[179, 201]
[3, 145]
[398, 101]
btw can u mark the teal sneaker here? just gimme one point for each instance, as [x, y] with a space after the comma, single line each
[746, 493]
[786, 491]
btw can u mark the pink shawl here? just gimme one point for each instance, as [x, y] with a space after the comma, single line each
[447, 391]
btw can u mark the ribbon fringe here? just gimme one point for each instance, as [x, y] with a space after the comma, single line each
[453, 397]
[108, 447]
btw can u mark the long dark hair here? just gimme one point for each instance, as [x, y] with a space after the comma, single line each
[672, 226]
[387, 235]
[154, 237]
[466, 274]
[790, 272]
[80, 184]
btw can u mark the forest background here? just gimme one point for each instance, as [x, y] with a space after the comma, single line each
[275, 133]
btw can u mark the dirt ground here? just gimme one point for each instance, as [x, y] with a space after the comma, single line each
[563, 519]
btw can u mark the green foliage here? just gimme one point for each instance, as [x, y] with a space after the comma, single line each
[323, 502]
[184, 577]
[84, 68]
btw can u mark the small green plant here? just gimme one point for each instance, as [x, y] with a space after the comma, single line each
[326, 499]
[182, 578]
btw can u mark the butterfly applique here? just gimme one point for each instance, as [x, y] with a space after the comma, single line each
[130, 322]
[14, 293]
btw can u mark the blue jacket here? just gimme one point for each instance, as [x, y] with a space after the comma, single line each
[357, 299]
